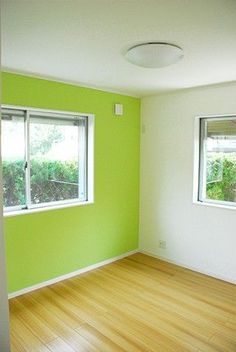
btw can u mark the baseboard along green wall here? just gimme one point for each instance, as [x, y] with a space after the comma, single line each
[44, 245]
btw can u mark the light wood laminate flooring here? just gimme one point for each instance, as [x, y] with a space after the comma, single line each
[136, 304]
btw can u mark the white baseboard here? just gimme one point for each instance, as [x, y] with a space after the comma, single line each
[69, 275]
[111, 260]
[205, 272]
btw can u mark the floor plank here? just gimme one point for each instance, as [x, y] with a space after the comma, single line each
[139, 303]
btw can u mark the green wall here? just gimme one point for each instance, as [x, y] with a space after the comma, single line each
[45, 245]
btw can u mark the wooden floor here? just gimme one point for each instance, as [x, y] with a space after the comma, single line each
[136, 304]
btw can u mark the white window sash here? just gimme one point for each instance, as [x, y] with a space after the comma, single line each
[199, 179]
[85, 123]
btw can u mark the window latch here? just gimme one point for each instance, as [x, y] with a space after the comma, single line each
[26, 165]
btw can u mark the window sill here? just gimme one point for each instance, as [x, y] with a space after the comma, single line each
[215, 205]
[43, 209]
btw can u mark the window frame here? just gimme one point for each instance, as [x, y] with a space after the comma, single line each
[89, 169]
[198, 160]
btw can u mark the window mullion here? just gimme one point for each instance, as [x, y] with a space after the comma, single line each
[203, 176]
[82, 162]
[27, 153]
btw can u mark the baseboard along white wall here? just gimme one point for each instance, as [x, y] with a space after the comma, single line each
[109, 261]
[190, 267]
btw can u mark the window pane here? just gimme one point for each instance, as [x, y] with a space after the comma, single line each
[220, 149]
[13, 160]
[54, 155]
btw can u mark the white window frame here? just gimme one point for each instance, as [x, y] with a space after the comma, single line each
[17, 210]
[197, 167]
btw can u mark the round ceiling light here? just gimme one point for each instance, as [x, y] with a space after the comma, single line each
[154, 55]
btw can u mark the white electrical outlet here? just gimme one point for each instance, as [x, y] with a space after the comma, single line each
[162, 244]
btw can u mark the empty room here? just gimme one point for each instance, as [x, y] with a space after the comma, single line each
[118, 176]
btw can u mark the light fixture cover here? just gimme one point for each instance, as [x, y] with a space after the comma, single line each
[154, 55]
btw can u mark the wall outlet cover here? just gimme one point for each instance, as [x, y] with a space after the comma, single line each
[162, 244]
[119, 109]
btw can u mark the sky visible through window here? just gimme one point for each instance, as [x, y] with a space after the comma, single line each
[13, 142]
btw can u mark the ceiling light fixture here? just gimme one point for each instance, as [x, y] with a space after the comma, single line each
[154, 54]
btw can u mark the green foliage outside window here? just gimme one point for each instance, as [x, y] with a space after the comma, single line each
[221, 177]
[58, 180]
[50, 181]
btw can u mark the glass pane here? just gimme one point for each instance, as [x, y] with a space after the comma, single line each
[13, 160]
[221, 160]
[54, 155]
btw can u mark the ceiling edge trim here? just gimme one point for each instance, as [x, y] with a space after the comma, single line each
[69, 82]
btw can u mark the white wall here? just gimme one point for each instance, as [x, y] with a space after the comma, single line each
[4, 319]
[200, 237]
[4, 314]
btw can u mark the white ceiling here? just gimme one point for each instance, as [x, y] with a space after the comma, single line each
[82, 41]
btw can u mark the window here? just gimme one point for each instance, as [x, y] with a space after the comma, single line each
[217, 160]
[47, 158]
